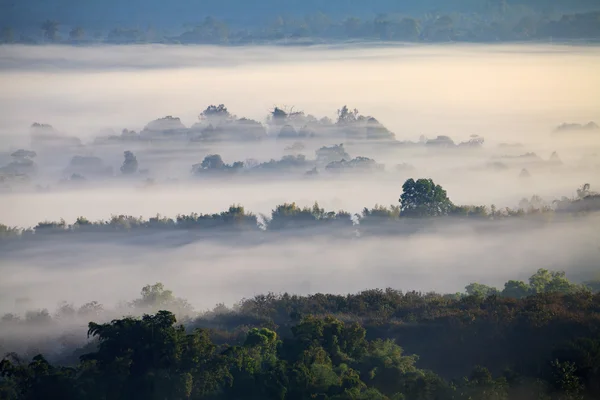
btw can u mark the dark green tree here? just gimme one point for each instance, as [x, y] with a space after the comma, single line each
[423, 198]
[150, 358]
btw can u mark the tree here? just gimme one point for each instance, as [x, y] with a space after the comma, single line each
[516, 289]
[423, 198]
[347, 116]
[480, 290]
[566, 381]
[130, 164]
[551, 281]
[36, 380]
[352, 26]
[409, 29]
[212, 112]
[50, 29]
[149, 358]
[213, 161]
[156, 297]
[7, 35]
[584, 191]
[76, 33]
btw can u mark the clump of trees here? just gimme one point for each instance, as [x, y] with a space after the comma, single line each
[364, 164]
[326, 155]
[216, 124]
[130, 164]
[289, 215]
[543, 281]
[575, 127]
[21, 164]
[421, 201]
[214, 163]
[458, 21]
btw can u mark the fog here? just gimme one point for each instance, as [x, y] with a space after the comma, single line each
[508, 95]
[443, 259]
[503, 92]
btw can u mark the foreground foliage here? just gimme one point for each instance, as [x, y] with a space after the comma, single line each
[378, 344]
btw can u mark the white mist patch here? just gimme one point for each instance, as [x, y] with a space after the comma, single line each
[444, 259]
[458, 90]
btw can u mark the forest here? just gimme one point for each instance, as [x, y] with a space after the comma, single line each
[497, 23]
[534, 339]
[531, 340]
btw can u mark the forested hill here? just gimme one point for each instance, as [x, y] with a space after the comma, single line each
[95, 14]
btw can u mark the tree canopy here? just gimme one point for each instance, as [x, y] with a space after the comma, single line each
[423, 198]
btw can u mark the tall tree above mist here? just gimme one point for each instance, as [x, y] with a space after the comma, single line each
[347, 116]
[155, 357]
[213, 112]
[423, 198]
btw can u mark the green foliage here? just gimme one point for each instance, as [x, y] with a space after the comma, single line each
[477, 289]
[155, 297]
[543, 281]
[289, 215]
[516, 289]
[325, 355]
[548, 281]
[36, 380]
[423, 198]
[420, 199]
[149, 358]
[566, 381]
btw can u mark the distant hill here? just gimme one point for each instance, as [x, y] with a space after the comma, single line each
[94, 14]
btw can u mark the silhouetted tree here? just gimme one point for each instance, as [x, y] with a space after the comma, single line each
[130, 164]
[423, 198]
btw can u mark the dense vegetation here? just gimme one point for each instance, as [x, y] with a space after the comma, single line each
[534, 340]
[490, 21]
[538, 339]
[421, 201]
